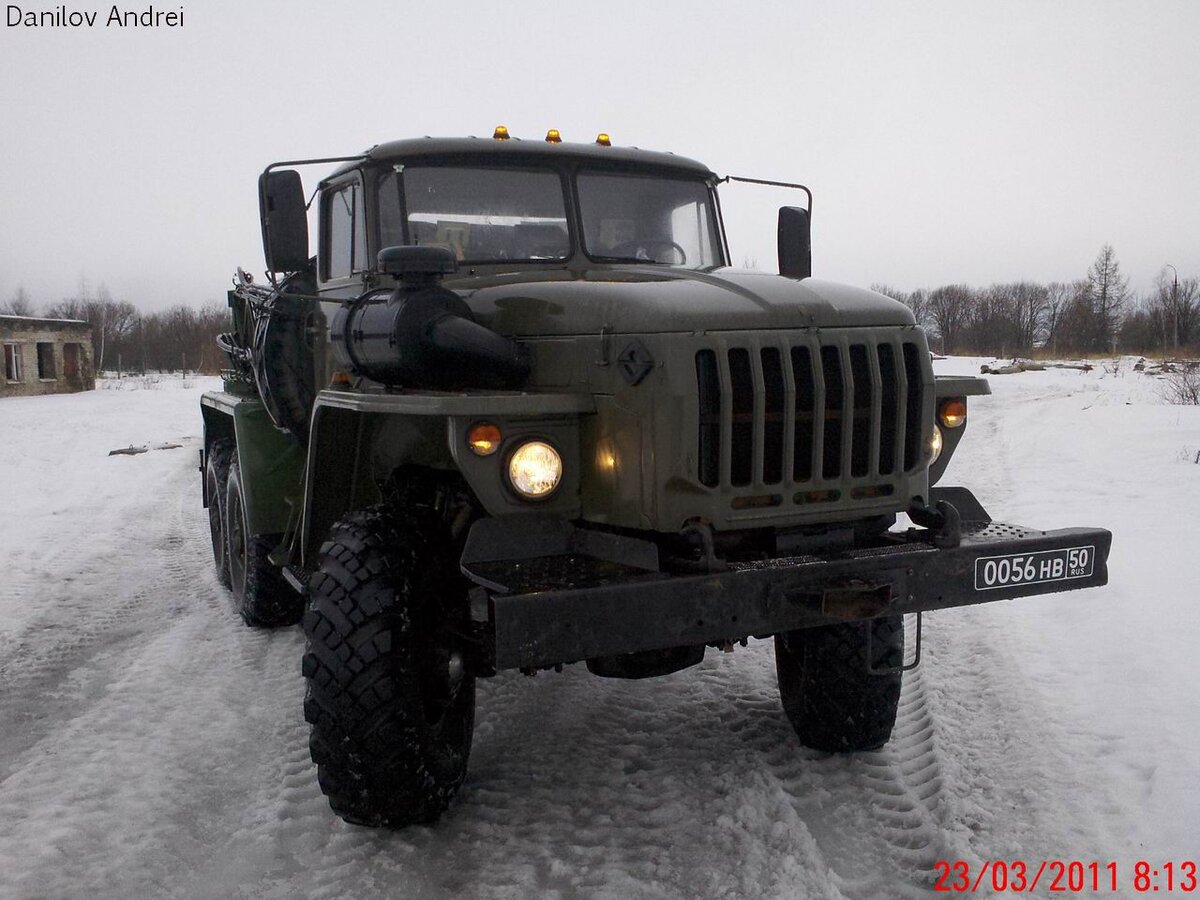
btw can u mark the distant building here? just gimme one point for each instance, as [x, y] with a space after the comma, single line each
[45, 356]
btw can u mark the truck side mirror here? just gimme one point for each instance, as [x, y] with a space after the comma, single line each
[795, 243]
[284, 220]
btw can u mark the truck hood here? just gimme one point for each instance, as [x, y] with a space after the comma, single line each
[645, 300]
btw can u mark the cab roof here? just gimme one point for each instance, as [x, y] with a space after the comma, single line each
[515, 148]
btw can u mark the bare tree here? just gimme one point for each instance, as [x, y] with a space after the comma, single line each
[1107, 296]
[1142, 327]
[1188, 311]
[1174, 306]
[917, 301]
[19, 304]
[1059, 296]
[949, 312]
[1029, 304]
[112, 321]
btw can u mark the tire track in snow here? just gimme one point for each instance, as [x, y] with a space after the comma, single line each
[62, 659]
[877, 817]
[579, 787]
[97, 762]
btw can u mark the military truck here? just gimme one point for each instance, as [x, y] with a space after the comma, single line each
[518, 411]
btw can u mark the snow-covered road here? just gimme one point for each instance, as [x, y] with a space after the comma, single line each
[152, 745]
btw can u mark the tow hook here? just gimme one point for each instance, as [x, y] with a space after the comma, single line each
[702, 532]
[942, 520]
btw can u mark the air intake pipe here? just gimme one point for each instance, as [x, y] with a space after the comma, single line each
[422, 335]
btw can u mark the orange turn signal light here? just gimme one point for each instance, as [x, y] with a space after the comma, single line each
[603, 139]
[341, 379]
[952, 412]
[553, 136]
[501, 133]
[483, 438]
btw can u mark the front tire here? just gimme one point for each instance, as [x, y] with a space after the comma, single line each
[260, 593]
[391, 704]
[833, 701]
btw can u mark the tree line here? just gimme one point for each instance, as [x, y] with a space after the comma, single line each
[125, 339]
[1095, 315]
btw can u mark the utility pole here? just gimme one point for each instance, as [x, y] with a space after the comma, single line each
[1175, 306]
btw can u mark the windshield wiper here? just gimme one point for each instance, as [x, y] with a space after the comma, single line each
[625, 259]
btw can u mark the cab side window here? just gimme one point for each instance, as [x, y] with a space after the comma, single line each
[345, 231]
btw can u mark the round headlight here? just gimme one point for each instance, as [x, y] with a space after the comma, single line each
[534, 470]
[935, 445]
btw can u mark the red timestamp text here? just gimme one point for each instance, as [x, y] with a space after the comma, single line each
[1061, 876]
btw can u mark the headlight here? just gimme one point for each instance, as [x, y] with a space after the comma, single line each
[535, 470]
[935, 445]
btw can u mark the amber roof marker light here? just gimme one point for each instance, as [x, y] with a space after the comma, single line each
[553, 136]
[501, 133]
[603, 139]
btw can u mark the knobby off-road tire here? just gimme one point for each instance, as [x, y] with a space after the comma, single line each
[833, 702]
[391, 706]
[260, 594]
[216, 477]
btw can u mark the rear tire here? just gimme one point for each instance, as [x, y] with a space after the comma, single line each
[833, 702]
[261, 595]
[391, 704]
[216, 477]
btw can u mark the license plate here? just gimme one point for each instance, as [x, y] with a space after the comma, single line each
[993, 572]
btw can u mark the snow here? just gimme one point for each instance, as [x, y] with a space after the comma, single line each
[152, 745]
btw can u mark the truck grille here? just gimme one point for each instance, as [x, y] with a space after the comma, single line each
[833, 409]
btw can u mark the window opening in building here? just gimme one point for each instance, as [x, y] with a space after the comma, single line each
[12, 362]
[71, 360]
[45, 353]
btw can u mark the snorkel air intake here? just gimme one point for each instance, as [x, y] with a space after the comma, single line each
[422, 335]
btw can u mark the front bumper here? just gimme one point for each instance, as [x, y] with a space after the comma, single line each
[629, 607]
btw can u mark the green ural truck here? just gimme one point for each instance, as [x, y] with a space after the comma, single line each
[518, 411]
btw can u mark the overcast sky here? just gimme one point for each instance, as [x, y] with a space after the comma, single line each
[945, 141]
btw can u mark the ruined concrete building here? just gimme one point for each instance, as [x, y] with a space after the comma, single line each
[45, 356]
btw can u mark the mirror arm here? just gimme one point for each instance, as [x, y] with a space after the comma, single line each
[782, 184]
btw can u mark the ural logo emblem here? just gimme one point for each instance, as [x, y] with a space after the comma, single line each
[635, 363]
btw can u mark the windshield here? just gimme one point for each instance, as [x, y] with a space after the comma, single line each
[482, 214]
[489, 214]
[647, 218]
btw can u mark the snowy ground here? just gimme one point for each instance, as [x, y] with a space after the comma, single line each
[151, 745]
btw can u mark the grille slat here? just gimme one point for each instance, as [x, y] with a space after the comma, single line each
[773, 416]
[708, 454]
[805, 425]
[834, 412]
[890, 391]
[789, 412]
[863, 394]
[743, 445]
[876, 416]
[913, 423]
[816, 413]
